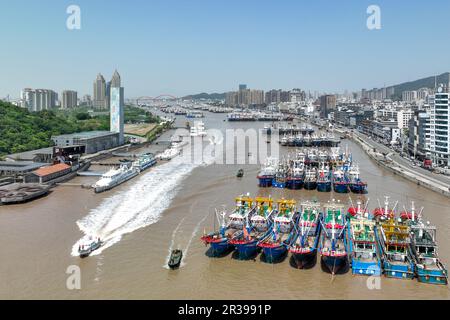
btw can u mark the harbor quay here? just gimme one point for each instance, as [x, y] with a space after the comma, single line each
[383, 156]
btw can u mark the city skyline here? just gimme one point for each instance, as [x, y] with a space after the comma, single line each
[187, 48]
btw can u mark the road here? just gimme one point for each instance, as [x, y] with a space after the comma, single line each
[404, 162]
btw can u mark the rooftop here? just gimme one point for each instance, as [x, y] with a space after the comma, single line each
[30, 155]
[45, 171]
[20, 165]
[85, 135]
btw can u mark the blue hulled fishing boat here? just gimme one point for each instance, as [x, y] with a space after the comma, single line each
[362, 241]
[394, 241]
[276, 242]
[324, 178]
[429, 267]
[356, 184]
[258, 224]
[340, 181]
[267, 173]
[295, 175]
[303, 246]
[229, 227]
[332, 241]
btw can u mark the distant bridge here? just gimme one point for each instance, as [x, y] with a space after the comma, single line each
[162, 97]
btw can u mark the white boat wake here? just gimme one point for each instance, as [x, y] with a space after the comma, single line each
[194, 233]
[137, 207]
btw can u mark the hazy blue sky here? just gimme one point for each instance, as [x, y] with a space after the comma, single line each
[182, 47]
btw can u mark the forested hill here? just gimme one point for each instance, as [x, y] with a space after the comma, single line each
[21, 130]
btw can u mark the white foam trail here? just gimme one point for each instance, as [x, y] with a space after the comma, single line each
[194, 233]
[172, 242]
[137, 207]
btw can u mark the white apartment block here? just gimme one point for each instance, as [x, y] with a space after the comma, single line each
[439, 127]
[403, 117]
[38, 99]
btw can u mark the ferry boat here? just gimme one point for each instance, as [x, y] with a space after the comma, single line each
[324, 179]
[267, 173]
[356, 184]
[394, 240]
[362, 242]
[295, 175]
[257, 226]
[303, 246]
[144, 162]
[340, 181]
[276, 242]
[333, 251]
[87, 248]
[310, 182]
[115, 177]
[429, 267]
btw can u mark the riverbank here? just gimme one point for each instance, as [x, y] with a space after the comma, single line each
[396, 168]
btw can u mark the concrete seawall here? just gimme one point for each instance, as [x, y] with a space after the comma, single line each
[401, 170]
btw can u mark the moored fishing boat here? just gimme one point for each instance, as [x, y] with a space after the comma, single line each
[362, 241]
[281, 173]
[340, 181]
[324, 178]
[257, 226]
[276, 242]
[303, 246]
[429, 267]
[356, 184]
[295, 175]
[310, 181]
[229, 227]
[267, 173]
[332, 246]
[394, 241]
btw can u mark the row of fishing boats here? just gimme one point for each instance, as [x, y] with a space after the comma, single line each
[382, 242]
[295, 175]
[310, 140]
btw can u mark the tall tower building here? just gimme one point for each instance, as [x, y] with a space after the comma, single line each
[99, 100]
[440, 127]
[117, 102]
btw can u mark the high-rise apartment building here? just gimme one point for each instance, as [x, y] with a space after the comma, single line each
[69, 99]
[38, 99]
[439, 126]
[327, 104]
[99, 97]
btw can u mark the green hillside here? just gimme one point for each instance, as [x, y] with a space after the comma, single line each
[212, 96]
[21, 130]
[428, 82]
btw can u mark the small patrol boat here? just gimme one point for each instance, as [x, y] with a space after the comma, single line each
[175, 259]
[86, 249]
